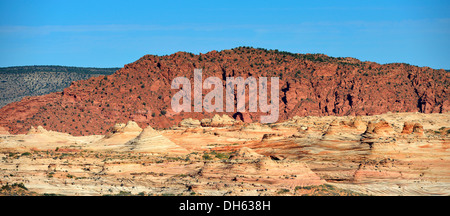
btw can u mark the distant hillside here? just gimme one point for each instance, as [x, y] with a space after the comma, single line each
[18, 82]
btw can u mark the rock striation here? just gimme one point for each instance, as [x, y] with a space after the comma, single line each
[151, 141]
[396, 154]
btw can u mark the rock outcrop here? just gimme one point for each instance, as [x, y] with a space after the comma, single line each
[359, 124]
[218, 121]
[408, 128]
[38, 130]
[4, 131]
[246, 153]
[189, 122]
[292, 159]
[247, 166]
[121, 133]
[353, 128]
[412, 128]
[151, 141]
[381, 128]
[310, 85]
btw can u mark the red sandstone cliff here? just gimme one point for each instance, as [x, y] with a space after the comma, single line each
[309, 85]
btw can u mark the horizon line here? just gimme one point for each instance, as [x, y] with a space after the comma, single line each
[217, 50]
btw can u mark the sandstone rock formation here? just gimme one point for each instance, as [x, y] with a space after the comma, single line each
[293, 158]
[4, 131]
[381, 128]
[359, 124]
[418, 129]
[271, 136]
[38, 130]
[353, 128]
[246, 153]
[120, 133]
[189, 122]
[151, 141]
[310, 85]
[218, 121]
[408, 128]
[248, 166]
[121, 128]
[256, 127]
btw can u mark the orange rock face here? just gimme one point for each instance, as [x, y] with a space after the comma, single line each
[3, 131]
[310, 85]
[408, 128]
[411, 128]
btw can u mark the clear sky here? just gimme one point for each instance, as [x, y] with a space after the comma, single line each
[112, 33]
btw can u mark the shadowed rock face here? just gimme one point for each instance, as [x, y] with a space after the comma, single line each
[310, 85]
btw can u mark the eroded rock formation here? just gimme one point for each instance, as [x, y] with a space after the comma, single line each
[310, 85]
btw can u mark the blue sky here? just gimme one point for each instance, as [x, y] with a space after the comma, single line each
[113, 33]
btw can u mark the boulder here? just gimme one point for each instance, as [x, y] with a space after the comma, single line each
[418, 129]
[382, 128]
[407, 128]
[189, 122]
[218, 121]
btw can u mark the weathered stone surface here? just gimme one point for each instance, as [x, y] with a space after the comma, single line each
[151, 141]
[190, 123]
[288, 159]
[4, 131]
[310, 85]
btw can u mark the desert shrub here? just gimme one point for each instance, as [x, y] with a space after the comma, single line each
[282, 191]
